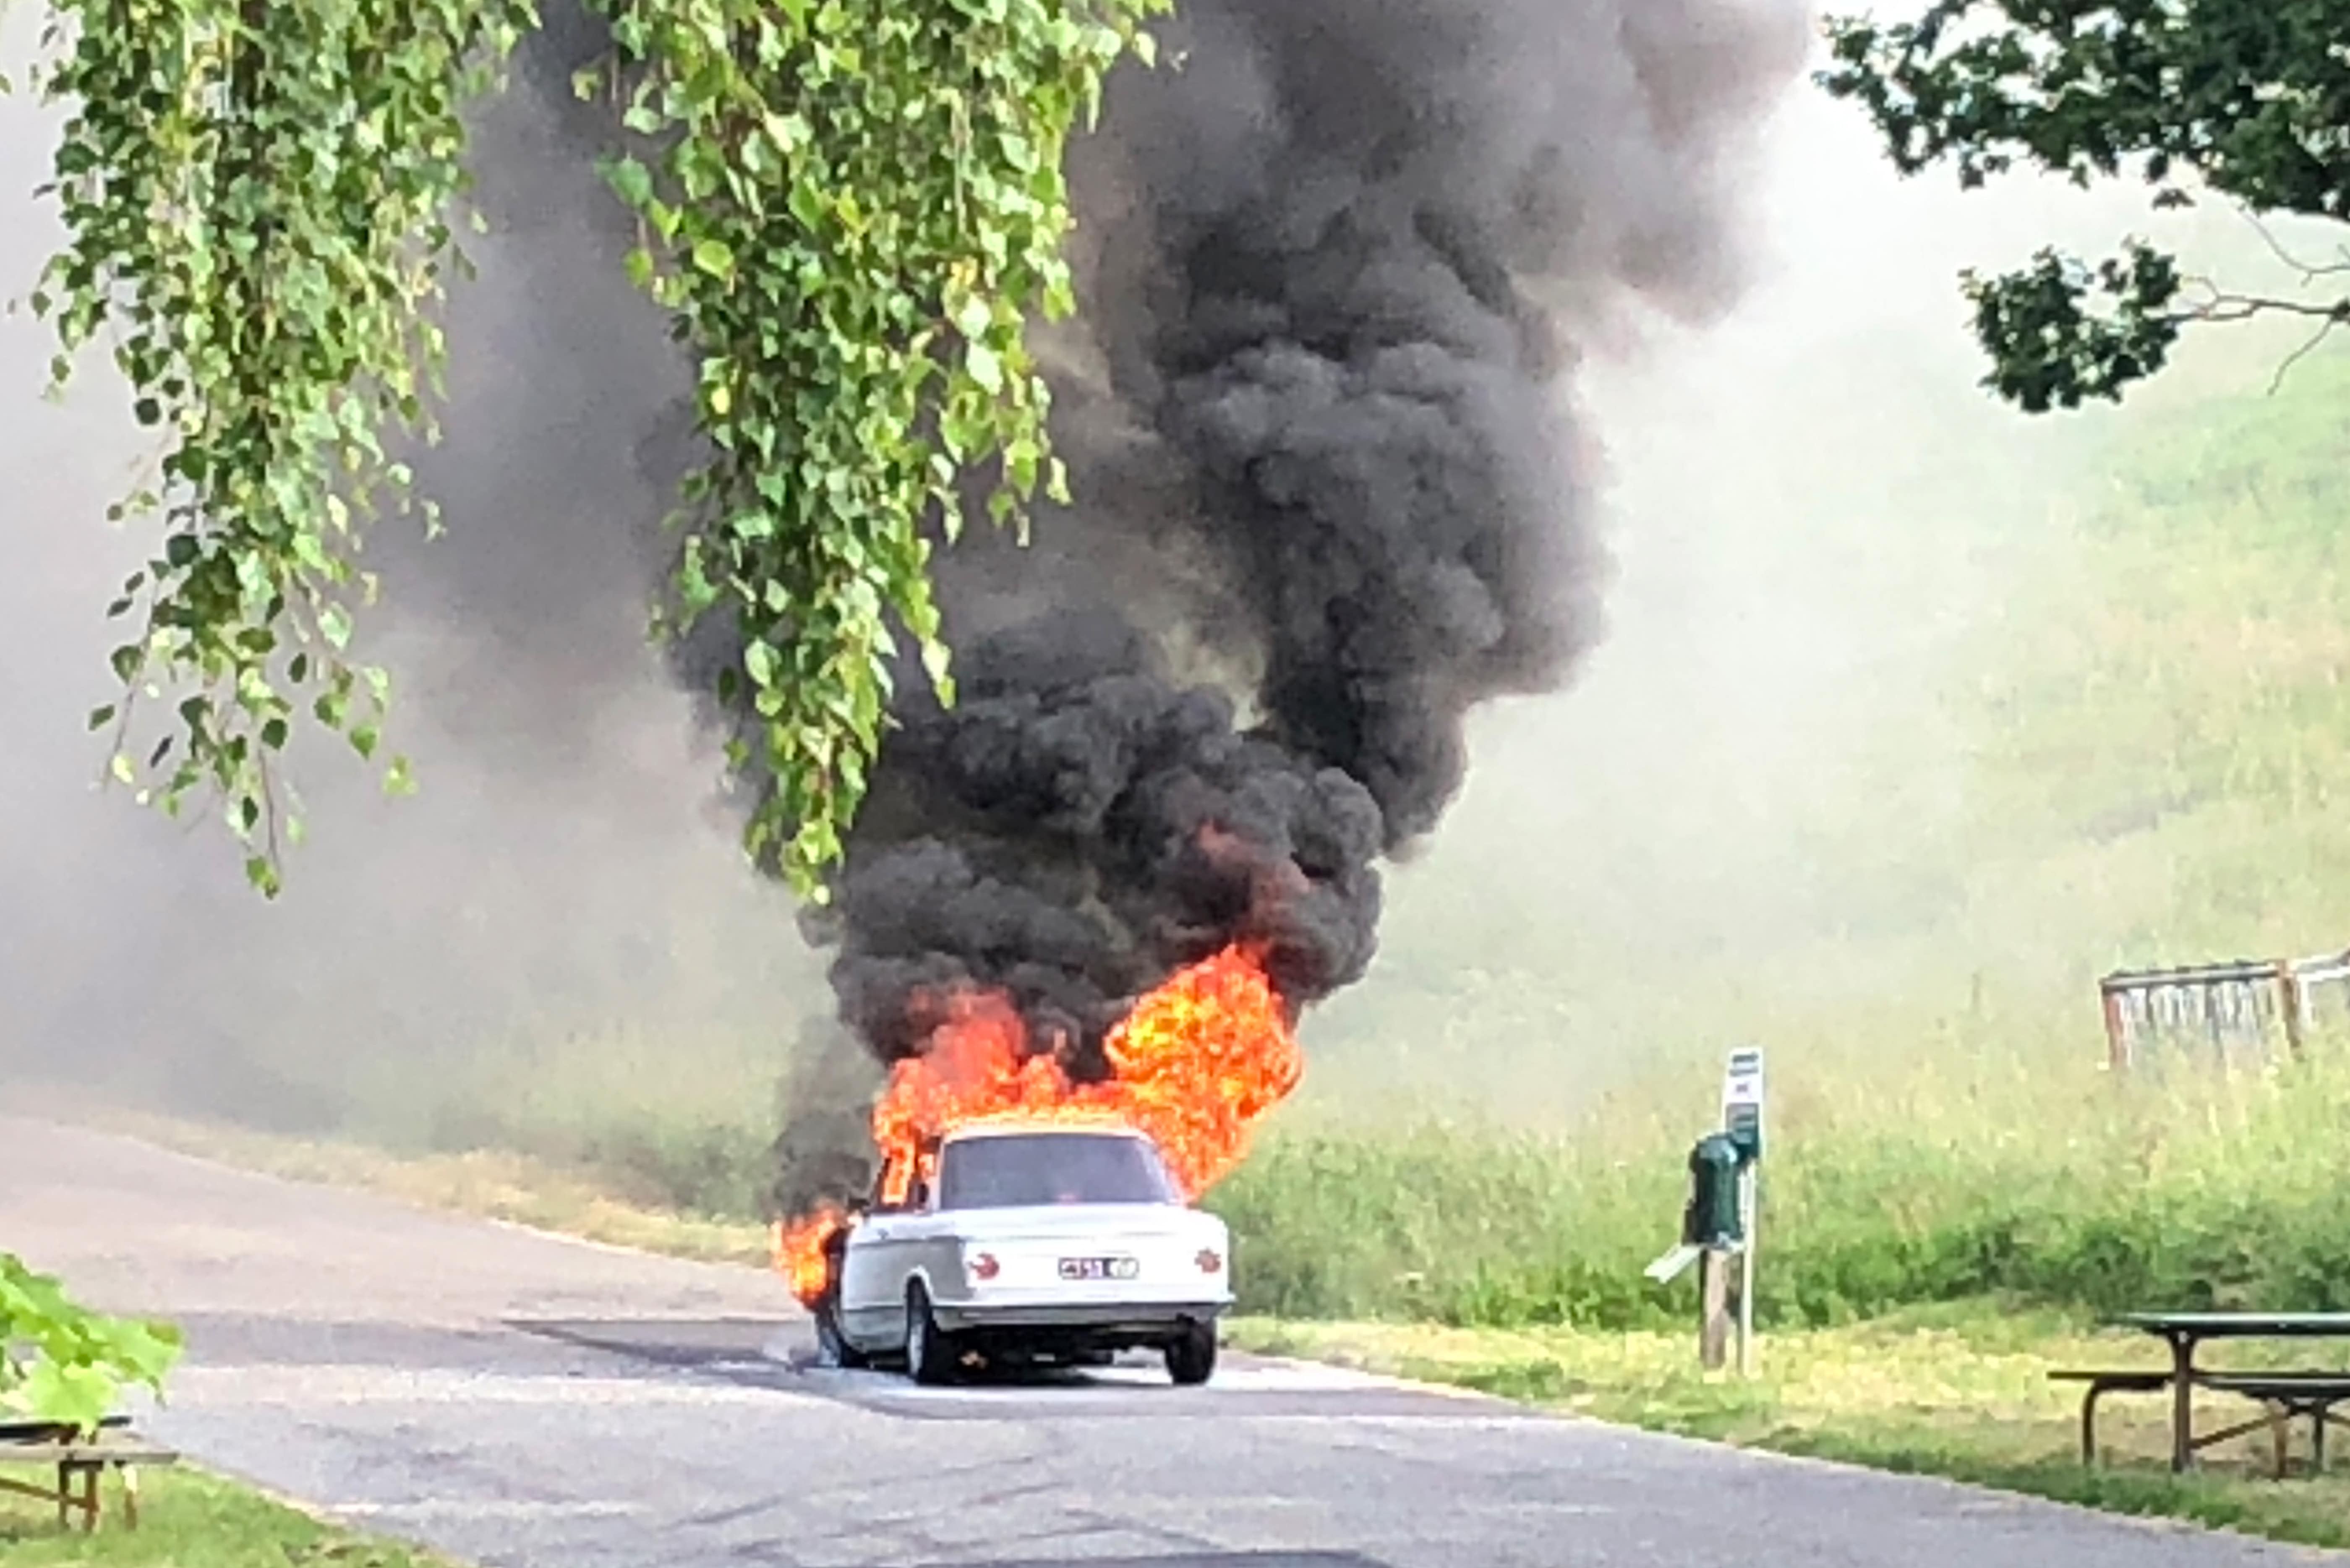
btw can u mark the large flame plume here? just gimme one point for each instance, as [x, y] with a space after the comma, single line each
[1196, 1066]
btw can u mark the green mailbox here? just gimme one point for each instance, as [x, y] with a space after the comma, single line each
[1745, 1133]
[1712, 1219]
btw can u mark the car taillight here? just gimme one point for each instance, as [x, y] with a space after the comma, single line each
[1210, 1260]
[984, 1267]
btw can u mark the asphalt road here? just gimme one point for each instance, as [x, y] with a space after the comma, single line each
[517, 1400]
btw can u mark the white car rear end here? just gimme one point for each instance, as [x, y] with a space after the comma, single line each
[1037, 1239]
[1058, 1264]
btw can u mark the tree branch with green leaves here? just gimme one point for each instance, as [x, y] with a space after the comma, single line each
[2248, 100]
[851, 208]
[63, 1364]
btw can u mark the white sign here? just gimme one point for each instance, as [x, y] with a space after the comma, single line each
[1673, 1263]
[1742, 1091]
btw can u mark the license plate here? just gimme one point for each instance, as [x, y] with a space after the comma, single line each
[1099, 1268]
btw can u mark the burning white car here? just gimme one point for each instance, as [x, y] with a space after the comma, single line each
[1062, 1241]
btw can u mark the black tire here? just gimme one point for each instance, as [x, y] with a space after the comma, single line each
[832, 1344]
[932, 1356]
[1192, 1354]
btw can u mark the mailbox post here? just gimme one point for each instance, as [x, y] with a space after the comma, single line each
[1718, 1223]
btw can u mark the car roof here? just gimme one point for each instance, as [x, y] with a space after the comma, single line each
[1009, 1127]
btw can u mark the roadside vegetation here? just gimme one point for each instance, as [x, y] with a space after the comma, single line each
[191, 1520]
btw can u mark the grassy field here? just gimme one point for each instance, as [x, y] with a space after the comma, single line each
[1959, 1391]
[189, 1519]
[2062, 1185]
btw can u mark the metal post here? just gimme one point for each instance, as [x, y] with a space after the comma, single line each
[1750, 1182]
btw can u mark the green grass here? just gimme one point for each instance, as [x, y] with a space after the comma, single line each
[191, 1520]
[1958, 1391]
[2065, 1186]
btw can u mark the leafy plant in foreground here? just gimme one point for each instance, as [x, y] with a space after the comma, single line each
[64, 1363]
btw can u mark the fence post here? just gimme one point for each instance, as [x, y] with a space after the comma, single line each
[2289, 985]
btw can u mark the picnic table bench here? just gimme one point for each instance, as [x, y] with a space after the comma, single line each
[81, 1461]
[2286, 1396]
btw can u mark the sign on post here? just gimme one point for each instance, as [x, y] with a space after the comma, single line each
[1741, 1118]
[1742, 1100]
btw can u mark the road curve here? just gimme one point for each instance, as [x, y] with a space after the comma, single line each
[521, 1400]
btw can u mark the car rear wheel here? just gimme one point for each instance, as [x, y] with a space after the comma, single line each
[930, 1355]
[830, 1342]
[1192, 1354]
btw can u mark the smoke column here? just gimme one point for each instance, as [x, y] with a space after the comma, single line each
[1330, 488]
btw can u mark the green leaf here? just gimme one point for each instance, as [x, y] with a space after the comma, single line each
[631, 180]
[759, 662]
[715, 257]
[935, 663]
[60, 1362]
[984, 368]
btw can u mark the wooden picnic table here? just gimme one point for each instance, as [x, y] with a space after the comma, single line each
[2312, 1393]
[80, 1460]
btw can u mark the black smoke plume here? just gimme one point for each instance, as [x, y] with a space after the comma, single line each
[1330, 492]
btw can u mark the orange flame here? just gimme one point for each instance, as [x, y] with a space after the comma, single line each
[1199, 1061]
[1196, 1065]
[800, 1246]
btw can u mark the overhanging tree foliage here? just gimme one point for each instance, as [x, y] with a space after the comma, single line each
[61, 1364]
[849, 206]
[2246, 99]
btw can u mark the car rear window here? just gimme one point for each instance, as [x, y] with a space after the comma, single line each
[1018, 1171]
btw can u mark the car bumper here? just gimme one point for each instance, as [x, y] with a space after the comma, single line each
[1121, 1317]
